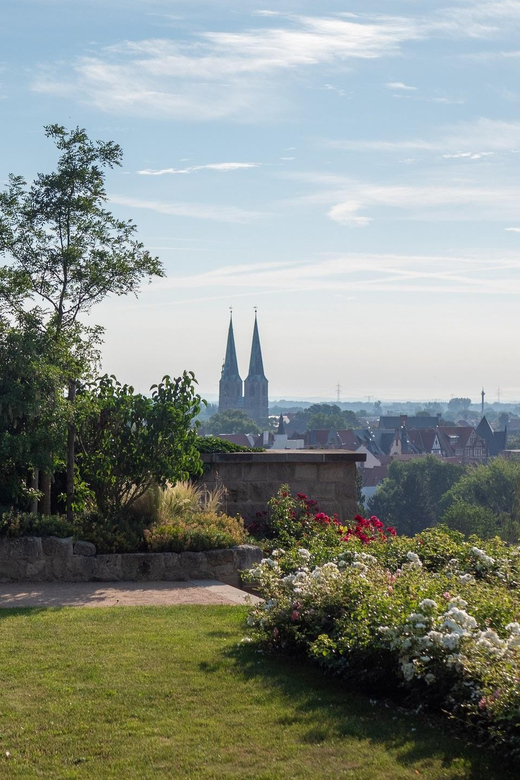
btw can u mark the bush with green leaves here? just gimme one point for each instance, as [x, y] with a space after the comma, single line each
[433, 619]
[128, 442]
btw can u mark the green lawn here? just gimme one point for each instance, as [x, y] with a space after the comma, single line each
[169, 693]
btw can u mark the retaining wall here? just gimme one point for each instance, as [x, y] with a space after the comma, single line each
[35, 559]
[252, 478]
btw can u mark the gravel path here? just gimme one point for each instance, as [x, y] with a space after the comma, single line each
[120, 594]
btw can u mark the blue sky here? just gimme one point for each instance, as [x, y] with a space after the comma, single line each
[351, 168]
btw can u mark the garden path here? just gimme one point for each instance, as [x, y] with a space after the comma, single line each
[120, 594]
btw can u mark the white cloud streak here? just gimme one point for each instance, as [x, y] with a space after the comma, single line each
[206, 211]
[466, 275]
[223, 167]
[463, 139]
[399, 85]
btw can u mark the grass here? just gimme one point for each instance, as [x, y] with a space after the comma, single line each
[127, 693]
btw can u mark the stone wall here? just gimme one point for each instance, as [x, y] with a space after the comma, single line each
[252, 478]
[32, 559]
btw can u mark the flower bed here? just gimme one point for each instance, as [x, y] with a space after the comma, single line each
[433, 619]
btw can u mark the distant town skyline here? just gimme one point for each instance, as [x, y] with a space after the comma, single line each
[350, 169]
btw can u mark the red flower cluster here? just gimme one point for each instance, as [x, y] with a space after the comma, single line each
[366, 530]
[369, 530]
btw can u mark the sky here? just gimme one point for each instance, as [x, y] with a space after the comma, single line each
[349, 168]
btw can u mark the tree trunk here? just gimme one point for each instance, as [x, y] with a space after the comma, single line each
[35, 479]
[71, 440]
[45, 502]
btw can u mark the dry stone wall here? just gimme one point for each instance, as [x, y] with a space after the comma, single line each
[252, 478]
[35, 559]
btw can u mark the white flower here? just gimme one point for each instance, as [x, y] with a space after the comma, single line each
[246, 639]
[482, 556]
[451, 641]
[413, 558]
[435, 637]
[466, 578]
[458, 602]
[513, 628]
[429, 678]
[277, 553]
[270, 562]
[408, 670]
[428, 604]
[250, 620]
[303, 554]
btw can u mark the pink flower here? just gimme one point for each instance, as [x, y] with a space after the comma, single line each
[295, 614]
[447, 596]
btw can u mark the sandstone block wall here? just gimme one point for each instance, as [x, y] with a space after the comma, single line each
[32, 559]
[252, 478]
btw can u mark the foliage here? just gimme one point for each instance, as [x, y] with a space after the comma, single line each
[437, 626]
[129, 442]
[231, 421]
[188, 517]
[68, 252]
[459, 404]
[197, 532]
[409, 497]
[65, 247]
[214, 444]
[15, 524]
[33, 413]
[488, 496]
[325, 416]
[293, 522]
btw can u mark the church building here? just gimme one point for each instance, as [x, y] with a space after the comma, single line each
[250, 396]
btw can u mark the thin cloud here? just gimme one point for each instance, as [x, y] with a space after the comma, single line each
[512, 229]
[484, 133]
[220, 74]
[223, 167]
[472, 274]
[207, 211]
[400, 85]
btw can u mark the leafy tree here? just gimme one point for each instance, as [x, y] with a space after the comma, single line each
[459, 404]
[128, 441]
[493, 489]
[67, 251]
[231, 421]
[32, 410]
[325, 416]
[409, 497]
[503, 419]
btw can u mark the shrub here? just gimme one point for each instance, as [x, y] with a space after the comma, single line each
[433, 618]
[293, 522]
[197, 531]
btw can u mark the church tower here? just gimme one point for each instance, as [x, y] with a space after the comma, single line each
[230, 385]
[256, 401]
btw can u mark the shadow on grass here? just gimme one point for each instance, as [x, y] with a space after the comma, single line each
[331, 709]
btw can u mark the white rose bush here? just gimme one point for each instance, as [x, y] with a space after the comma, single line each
[433, 621]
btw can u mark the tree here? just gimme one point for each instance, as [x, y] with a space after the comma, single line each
[459, 404]
[68, 252]
[128, 441]
[493, 489]
[32, 410]
[409, 497]
[325, 416]
[231, 421]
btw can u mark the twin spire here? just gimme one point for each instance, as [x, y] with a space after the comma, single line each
[256, 363]
[250, 396]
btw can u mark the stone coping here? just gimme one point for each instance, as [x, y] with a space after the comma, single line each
[285, 456]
